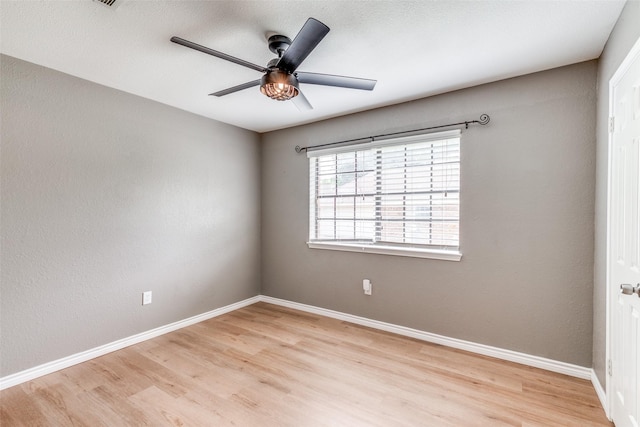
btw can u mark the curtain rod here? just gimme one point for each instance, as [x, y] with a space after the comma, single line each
[484, 119]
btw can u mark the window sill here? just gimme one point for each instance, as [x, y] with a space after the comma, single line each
[389, 250]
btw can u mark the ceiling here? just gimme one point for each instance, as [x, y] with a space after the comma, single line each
[412, 48]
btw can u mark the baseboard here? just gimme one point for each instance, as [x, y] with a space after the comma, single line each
[499, 353]
[512, 356]
[602, 395]
[74, 359]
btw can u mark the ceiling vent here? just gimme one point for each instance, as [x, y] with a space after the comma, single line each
[112, 4]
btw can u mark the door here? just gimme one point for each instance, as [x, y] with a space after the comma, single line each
[624, 242]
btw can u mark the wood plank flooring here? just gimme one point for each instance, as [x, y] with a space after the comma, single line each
[266, 365]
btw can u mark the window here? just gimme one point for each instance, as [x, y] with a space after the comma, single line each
[398, 196]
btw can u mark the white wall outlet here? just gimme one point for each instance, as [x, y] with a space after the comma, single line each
[146, 297]
[366, 286]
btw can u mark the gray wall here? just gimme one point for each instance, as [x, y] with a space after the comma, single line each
[106, 195]
[623, 36]
[525, 281]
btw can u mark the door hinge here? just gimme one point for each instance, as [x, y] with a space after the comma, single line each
[610, 368]
[612, 124]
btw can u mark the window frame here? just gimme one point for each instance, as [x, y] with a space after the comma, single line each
[399, 249]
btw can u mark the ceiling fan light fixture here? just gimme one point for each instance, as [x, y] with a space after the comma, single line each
[279, 85]
[280, 80]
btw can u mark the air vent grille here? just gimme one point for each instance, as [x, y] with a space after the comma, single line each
[108, 3]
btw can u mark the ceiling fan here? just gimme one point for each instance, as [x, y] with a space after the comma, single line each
[281, 78]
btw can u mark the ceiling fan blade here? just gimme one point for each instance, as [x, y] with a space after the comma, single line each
[301, 102]
[312, 32]
[217, 54]
[236, 88]
[338, 81]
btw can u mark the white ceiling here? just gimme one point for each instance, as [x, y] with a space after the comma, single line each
[413, 48]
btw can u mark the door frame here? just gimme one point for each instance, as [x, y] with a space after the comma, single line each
[615, 79]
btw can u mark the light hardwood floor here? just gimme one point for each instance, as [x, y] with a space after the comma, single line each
[265, 365]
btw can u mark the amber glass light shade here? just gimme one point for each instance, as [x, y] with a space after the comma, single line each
[279, 85]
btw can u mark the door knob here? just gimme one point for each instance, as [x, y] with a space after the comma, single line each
[627, 289]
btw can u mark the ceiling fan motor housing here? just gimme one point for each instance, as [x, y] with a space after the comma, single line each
[273, 64]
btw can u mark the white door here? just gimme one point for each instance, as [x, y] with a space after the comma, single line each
[624, 242]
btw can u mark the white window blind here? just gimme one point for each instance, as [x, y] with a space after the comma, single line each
[401, 193]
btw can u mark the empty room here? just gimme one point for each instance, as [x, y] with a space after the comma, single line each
[320, 213]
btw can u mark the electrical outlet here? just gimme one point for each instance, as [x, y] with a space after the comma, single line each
[366, 286]
[146, 297]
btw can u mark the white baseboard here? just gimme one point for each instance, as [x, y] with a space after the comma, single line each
[602, 395]
[512, 356]
[74, 359]
[499, 353]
